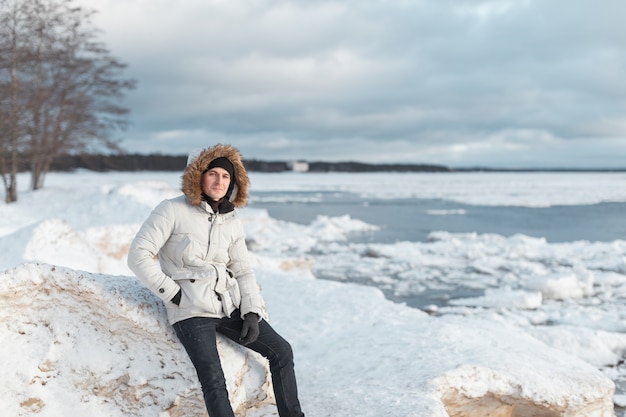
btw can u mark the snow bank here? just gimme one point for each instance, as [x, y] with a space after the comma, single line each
[99, 345]
[364, 355]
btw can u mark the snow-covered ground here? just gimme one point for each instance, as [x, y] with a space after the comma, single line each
[545, 335]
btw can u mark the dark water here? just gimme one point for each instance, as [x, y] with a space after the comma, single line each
[412, 219]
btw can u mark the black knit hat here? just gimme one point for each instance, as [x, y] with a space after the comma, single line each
[223, 162]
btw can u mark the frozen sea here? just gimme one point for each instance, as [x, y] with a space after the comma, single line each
[418, 221]
[544, 250]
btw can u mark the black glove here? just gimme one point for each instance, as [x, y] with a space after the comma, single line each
[250, 328]
[176, 298]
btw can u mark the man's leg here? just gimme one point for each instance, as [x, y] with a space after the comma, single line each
[278, 351]
[198, 337]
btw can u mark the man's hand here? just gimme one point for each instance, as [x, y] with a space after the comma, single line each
[176, 298]
[250, 328]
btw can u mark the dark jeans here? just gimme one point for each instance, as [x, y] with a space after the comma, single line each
[197, 335]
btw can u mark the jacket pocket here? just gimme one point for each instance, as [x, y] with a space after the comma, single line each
[198, 295]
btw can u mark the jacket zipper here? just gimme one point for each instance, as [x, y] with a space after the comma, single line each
[212, 218]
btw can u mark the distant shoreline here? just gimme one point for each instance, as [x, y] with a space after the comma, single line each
[159, 162]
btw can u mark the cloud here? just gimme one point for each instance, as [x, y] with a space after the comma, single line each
[433, 77]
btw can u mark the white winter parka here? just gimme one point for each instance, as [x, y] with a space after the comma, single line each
[202, 253]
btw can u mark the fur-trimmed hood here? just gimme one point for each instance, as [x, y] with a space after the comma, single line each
[198, 162]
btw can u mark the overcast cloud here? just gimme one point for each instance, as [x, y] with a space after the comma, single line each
[502, 83]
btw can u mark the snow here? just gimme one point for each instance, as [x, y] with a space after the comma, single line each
[535, 189]
[540, 329]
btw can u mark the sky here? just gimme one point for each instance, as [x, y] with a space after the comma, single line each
[462, 83]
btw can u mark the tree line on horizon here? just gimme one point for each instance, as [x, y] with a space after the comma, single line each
[159, 162]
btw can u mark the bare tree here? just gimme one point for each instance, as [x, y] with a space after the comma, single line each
[78, 86]
[13, 35]
[69, 83]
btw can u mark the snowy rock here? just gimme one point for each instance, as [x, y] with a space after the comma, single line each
[563, 286]
[99, 345]
[552, 384]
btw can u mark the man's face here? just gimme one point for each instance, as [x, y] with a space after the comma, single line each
[215, 183]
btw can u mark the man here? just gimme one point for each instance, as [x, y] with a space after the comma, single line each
[205, 279]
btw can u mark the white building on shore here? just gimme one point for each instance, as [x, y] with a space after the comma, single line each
[299, 166]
